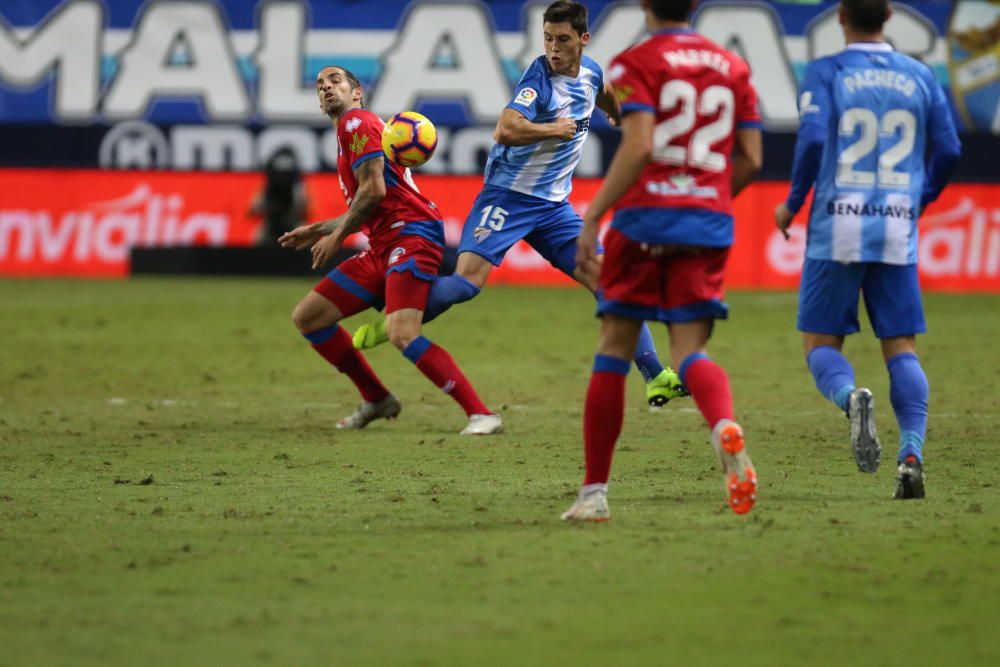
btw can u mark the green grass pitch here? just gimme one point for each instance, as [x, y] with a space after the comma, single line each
[172, 492]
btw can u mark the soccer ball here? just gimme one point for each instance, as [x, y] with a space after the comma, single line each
[409, 139]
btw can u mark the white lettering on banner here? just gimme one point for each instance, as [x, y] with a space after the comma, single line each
[971, 249]
[67, 43]
[134, 144]
[961, 242]
[141, 145]
[185, 49]
[754, 32]
[106, 231]
[280, 56]
[208, 72]
[476, 74]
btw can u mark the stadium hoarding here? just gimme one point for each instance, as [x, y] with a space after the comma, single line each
[220, 84]
[88, 224]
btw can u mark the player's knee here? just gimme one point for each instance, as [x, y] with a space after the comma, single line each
[307, 318]
[402, 333]
[300, 318]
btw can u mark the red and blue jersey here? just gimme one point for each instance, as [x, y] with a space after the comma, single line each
[403, 210]
[699, 93]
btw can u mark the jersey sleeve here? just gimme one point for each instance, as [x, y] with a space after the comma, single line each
[940, 122]
[527, 99]
[360, 137]
[630, 85]
[815, 102]
[747, 106]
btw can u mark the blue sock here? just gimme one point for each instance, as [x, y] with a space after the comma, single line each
[446, 292]
[646, 359]
[909, 391]
[833, 373]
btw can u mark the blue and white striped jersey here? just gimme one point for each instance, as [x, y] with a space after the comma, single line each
[876, 111]
[545, 169]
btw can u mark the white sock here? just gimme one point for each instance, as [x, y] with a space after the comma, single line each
[590, 489]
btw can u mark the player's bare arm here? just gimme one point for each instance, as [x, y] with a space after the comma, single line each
[371, 191]
[607, 102]
[748, 158]
[513, 129]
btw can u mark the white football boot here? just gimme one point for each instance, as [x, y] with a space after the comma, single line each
[592, 507]
[388, 408]
[483, 425]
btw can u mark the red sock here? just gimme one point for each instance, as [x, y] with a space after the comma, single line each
[435, 363]
[603, 414]
[334, 345]
[709, 386]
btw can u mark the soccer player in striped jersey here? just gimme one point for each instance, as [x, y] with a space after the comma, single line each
[406, 244]
[528, 179]
[691, 140]
[869, 118]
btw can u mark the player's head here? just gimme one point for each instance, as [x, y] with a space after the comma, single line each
[338, 90]
[675, 11]
[564, 27]
[865, 16]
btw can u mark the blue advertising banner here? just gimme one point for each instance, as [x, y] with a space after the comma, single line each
[218, 84]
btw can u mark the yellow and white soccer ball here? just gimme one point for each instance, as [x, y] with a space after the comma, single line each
[409, 139]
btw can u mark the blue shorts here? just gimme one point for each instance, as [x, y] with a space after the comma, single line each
[828, 298]
[500, 218]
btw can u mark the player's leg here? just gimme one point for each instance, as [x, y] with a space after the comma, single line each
[691, 301]
[499, 218]
[892, 298]
[554, 238]
[405, 294]
[348, 289]
[828, 311]
[603, 414]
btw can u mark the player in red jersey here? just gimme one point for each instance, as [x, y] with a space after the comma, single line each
[406, 243]
[690, 142]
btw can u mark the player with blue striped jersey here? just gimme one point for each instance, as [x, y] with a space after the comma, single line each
[528, 178]
[878, 141]
[545, 169]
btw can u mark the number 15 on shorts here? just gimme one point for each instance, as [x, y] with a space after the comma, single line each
[494, 217]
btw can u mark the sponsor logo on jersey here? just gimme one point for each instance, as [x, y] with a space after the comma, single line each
[623, 93]
[396, 254]
[806, 105]
[867, 210]
[352, 124]
[526, 96]
[681, 185]
[358, 142]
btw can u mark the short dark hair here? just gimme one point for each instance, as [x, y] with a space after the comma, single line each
[671, 10]
[563, 11]
[351, 78]
[866, 15]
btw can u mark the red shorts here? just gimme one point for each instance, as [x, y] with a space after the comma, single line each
[393, 276]
[684, 284]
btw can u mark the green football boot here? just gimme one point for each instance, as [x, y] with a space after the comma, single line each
[370, 335]
[659, 390]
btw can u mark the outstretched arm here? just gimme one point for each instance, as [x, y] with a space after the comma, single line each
[513, 129]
